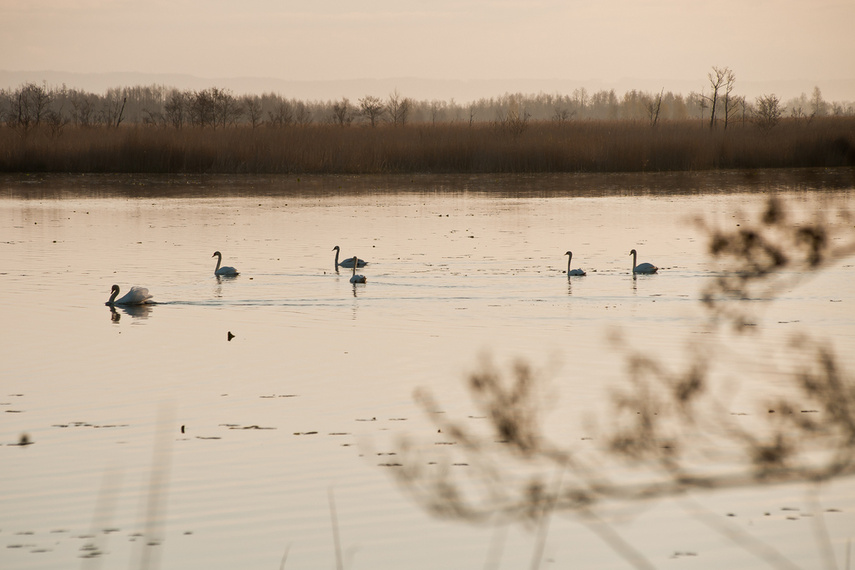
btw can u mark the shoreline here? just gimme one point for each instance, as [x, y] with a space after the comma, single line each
[145, 185]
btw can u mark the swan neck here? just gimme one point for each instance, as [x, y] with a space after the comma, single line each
[569, 261]
[219, 261]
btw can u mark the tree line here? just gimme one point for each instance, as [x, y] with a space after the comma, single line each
[33, 105]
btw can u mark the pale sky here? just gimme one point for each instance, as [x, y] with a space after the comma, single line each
[602, 40]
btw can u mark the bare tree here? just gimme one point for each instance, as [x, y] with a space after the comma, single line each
[393, 105]
[175, 109]
[653, 108]
[282, 115]
[302, 114]
[227, 108]
[818, 106]
[113, 108]
[562, 115]
[29, 104]
[581, 99]
[718, 79]
[768, 112]
[730, 100]
[252, 106]
[514, 120]
[202, 108]
[56, 121]
[372, 108]
[437, 108]
[82, 110]
[743, 108]
[342, 114]
[798, 107]
[399, 108]
[404, 111]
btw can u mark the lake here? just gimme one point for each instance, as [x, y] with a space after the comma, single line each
[251, 422]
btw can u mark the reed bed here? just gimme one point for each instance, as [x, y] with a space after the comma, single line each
[535, 147]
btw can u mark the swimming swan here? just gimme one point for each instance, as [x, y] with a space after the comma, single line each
[348, 263]
[644, 267]
[572, 271]
[226, 270]
[356, 278]
[136, 296]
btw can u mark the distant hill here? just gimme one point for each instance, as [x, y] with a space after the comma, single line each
[419, 88]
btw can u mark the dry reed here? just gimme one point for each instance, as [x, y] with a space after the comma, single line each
[596, 146]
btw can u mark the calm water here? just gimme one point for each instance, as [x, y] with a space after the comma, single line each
[315, 389]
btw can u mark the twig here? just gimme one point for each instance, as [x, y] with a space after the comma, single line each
[338, 560]
[749, 543]
[820, 531]
[284, 557]
[614, 540]
[543, 523]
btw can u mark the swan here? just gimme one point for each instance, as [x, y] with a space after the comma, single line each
[225, 270]
[642, 268]
[136, 296]
[572, 271]
[349, 262]
[356, 278]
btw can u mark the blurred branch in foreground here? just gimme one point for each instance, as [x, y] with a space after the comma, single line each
[669, 431]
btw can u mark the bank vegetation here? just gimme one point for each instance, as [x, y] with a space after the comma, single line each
[164, 130]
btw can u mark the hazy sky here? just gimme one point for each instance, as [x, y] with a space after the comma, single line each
[605, 40]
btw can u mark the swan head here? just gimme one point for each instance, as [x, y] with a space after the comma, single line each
[633, 252]
[217, 253]
[336, 248]
[114, 292]
[568, 253]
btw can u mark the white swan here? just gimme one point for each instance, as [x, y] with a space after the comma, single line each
[356, 278]
[225, 270]
[136, 296]
[642, 268]
[349, 262]
[572, 271]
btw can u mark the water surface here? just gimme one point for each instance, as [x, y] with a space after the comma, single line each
[313, 391]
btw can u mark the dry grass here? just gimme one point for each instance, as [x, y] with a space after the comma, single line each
[600, 146]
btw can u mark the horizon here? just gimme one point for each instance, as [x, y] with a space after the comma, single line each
[461, 50]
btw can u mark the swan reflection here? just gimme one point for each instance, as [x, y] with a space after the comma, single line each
[221, 278]
[135, 311]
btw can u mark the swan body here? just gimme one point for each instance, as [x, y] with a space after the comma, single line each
[646, 268]
[135, 296]
[356, 278]
[350, 262]
[572, 272]
[225, 270]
